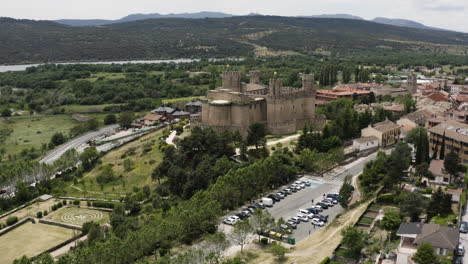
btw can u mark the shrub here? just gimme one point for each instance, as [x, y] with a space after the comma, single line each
[39, 214]
[64, 202]
[11, 220]
[45, 213]
[387, 198]
[2, 226]
[325, 261]
[54, 207]
[264, 241]
[76, 202]
[88, 203]
[103, 204]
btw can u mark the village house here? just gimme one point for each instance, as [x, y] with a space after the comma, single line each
[194, 107]
[443, 239]
[441, 177]
[365, 143]
[152, 119]
[165, 111]
[412, 120]
[387, 132]
[338, 93]
[456, 139]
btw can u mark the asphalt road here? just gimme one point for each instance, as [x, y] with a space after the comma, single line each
[74, 143]
[464, 238]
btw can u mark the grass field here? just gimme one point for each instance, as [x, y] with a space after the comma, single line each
[115, 75]
[30, 240]
[78, 216]
[174, 100]
[30, 211]
[85, 108]
[33, 131]
[144, 155]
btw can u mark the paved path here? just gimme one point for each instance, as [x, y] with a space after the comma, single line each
[74, 143]
[286, 139]
[67, 247]
[170, 138]
[464, 237]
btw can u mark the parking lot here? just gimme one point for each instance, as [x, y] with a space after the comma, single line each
[302, 199]
[289, 206]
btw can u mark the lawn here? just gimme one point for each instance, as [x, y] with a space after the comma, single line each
[85, 108]
[33, 131]
[78, 216]
[375, 207]
[345, 253]
[366, 220]
[144, 154]
[31, 239]
[450, 219]
[31, 210]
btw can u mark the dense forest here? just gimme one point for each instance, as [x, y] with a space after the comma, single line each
[44, 41]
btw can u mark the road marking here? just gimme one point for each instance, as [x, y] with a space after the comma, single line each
[316, 181]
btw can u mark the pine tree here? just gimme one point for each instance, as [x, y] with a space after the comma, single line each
[442, 148]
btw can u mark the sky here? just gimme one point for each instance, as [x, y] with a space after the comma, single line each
[448, 14]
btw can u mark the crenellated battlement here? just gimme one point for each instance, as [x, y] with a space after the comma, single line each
[308, 81]
[232, 80]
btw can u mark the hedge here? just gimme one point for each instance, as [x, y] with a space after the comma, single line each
[11, 220]
[387, 198]
[103, 204]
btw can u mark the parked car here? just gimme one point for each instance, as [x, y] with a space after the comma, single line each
[307, 213]
[460, 250]
[303, 218]
[306, 183]
[464, 227]
[323, 218]
[286, 228]
[332, 200]
[334, 196]
[317, 222]
[293, 189]
[274, 197]
[289, 191]
[314, 210]
[318, 207]
[323, 205]
[284, 193]
[292, 224]
[280, 195]
[232, 220]
[295, 219]
[268, 202]
[328, 202]
[458, 260]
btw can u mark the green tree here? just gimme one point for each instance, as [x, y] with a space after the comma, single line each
[110, 119]
[451, 164]
[262, 221]
[117, 216]
[240, 233]
[88, 157]
[45, 259]
[425, 254]
[397, 164]
[346, 191]
[418, 137]
[5, 112]
[413, 205]
[22, 260]
[278, 251]
[440, 204]
[126, 119]
[57, 139]
[353, 239]
[391, 221]
[256, 134]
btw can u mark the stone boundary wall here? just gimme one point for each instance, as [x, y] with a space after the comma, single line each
[48, 222]
[15, 225]
[12, 211]
[87, 199]
[52, 249]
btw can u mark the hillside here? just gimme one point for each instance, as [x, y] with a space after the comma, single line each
[43, 41]
[136, 17]
[402, 23]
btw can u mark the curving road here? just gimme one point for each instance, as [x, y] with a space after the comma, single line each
[74, 143]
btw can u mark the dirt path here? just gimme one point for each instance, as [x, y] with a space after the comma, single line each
[321, 244]
[81, 190]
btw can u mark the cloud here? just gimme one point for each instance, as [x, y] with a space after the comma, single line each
[445, 8]
[443, 5]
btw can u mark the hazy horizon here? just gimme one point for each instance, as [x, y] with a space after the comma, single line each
[445, 14]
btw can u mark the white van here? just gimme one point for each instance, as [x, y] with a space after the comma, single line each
[267, 201]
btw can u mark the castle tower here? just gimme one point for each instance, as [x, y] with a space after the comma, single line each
[274, 89]
[308, 81]
[412, 83]
[254, 77]
[232, 80]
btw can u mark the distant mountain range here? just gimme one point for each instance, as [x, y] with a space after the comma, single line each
[205, 14]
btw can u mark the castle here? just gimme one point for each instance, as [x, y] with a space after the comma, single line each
[235, 105]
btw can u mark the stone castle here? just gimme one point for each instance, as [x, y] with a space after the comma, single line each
[235, 105]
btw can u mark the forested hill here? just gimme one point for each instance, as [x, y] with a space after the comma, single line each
[43, 41]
